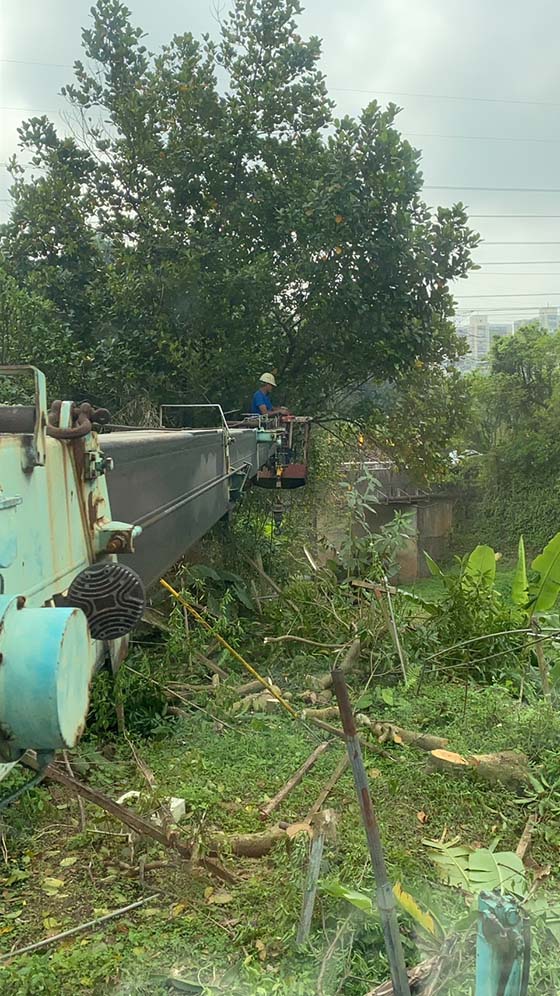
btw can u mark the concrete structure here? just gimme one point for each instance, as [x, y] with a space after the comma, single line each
[432, 517]
[549, 318]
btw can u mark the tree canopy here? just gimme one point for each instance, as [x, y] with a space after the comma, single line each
[211, 218]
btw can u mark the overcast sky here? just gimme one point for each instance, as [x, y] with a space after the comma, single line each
[504, 53]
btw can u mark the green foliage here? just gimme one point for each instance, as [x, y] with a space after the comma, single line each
[197, 218]
[414, 420]
[512, 487]
[363, 552]
[544, 593]
[520, 583]
[475, 628]
[479, 571]
[479, 869]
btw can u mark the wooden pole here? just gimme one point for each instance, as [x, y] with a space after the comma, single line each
[321, 829]
[77, 930]
[294, 780]
[385, 898]
[326, 791]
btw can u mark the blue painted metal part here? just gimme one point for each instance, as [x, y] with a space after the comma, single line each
[45, 672]
[57, 518]
[502, 949]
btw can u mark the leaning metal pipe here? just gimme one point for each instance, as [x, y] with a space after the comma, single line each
[384, 893]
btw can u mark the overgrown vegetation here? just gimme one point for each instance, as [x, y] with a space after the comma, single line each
[511, 488]
[291, 618]
[190, 219]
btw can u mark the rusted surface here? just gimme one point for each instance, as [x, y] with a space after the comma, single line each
[83, 417]
[95, 510]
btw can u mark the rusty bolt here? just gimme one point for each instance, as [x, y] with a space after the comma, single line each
[117, 543]
[20, 601]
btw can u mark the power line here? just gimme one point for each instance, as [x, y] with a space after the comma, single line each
[446, 96]
[520, 262]
[35, 110]
[528, 294]
[544, 217]
[29, 62]
[514, 190]
[525, 243]
[501, 311]
[483, 138]
[513, 273]
[402, 93]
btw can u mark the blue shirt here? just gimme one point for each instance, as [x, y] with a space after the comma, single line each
[260, 398]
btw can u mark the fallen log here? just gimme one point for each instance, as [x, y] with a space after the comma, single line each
[293, 781]
[349, 660]
[211, 665]
[335, 731]
[412, 738]
[508, 767]
[248, 688]
[527, 836]
[248, 845]
[329, 712]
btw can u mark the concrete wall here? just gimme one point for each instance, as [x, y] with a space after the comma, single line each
[432, 519]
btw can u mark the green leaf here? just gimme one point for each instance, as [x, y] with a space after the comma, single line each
[544, 593]
[481, 566]
[452, 862]
[388, 696]
[465, 922]
[424, 918]
[480, 870]
[244, 597]
[364, 701]
[431, 607]
[520, 583]
[204, 571]
[433, 568]
[501, 870]
[358, 899]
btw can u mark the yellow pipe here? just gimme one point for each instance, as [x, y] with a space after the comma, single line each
[233, 652]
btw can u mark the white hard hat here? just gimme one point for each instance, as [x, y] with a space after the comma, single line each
[268, 378]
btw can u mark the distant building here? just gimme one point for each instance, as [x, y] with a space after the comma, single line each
[479, 337]
[500, 328]
[476, 333]
[549, 318]
[520, 323]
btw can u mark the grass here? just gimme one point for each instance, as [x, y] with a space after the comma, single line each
[241, 940]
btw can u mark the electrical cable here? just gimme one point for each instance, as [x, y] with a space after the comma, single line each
[483, 138]
[445, 96]
[511, 190]
[526, 243]
[527, 294]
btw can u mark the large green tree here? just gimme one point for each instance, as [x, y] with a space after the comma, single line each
[213, 218]
[514, 424]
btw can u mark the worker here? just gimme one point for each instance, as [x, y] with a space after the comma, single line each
[262, 402]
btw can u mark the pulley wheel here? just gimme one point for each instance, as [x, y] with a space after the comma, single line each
[112, 598]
